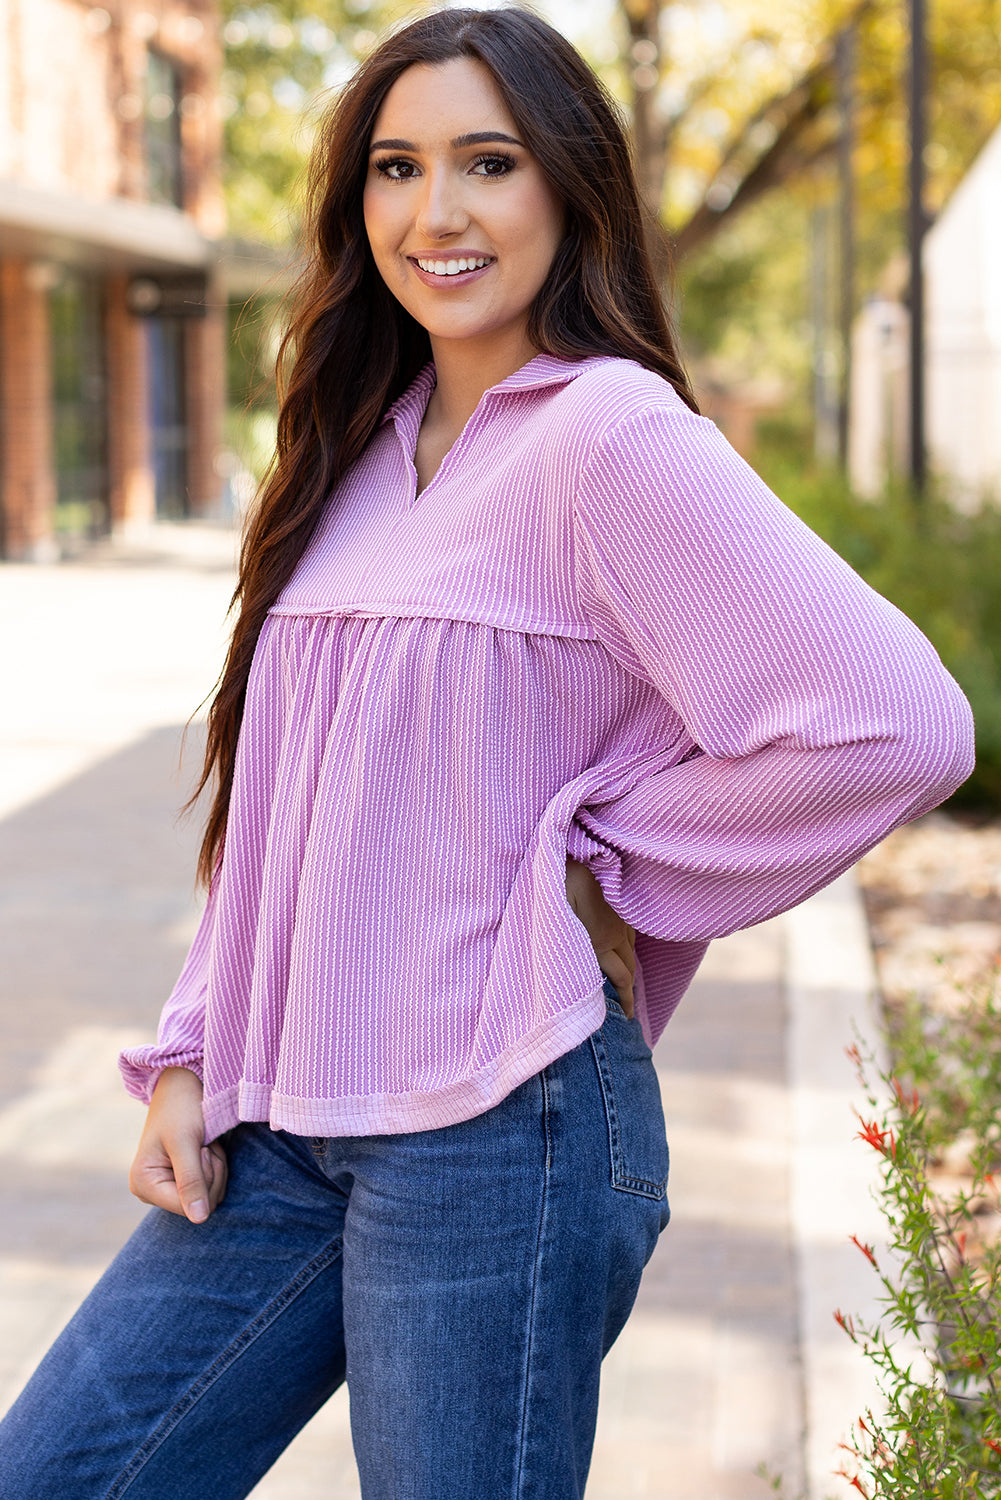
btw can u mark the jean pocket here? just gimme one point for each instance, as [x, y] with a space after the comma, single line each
[612, 1002]
[637, 1141]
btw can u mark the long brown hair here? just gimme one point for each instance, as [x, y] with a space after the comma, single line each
[351, 349]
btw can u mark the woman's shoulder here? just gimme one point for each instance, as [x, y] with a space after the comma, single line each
[610, 391]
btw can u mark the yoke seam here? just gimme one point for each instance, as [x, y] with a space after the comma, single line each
[222, 1363]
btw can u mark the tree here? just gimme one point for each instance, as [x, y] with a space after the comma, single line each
[283, 60]
[737, 122]
[732, 102]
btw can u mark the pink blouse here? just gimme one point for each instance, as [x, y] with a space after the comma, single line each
[595, 631]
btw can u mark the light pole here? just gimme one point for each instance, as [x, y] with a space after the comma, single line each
[845, 63]
[915, 234]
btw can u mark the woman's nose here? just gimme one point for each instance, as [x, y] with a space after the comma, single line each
[441, 210]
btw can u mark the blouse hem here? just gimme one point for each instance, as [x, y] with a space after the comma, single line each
[398, 1114]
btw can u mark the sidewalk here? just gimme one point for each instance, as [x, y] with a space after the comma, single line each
[732, 1351]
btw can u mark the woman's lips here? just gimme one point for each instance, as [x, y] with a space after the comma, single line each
[455, 278]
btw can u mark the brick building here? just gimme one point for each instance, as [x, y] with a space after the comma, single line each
[112, 331]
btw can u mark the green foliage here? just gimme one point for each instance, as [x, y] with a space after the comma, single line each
[253, 329]
[252, 414]
[940, 565]
[742, 297]
[718, 286]
[936, 1347]
[744, 288]
[283, 59]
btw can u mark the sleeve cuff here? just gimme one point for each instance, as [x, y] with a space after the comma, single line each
[589, 850]
[141, 1067]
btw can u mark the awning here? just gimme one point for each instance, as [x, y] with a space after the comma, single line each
[110, 233]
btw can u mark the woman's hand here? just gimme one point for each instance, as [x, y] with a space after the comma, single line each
[613, 940]
[172, 1168]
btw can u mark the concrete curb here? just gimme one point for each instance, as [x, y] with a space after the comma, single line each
[832, 1000]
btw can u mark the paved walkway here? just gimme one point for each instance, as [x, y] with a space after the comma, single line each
[714, 1375]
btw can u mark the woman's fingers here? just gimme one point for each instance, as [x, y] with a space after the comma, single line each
[615, 968]
[215, 1170]
[612, 938]
[170, 1175]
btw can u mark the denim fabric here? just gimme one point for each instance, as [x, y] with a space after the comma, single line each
[467, 1281]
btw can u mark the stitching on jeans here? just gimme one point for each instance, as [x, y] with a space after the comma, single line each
[605, 1083]
[622, 1180]
[227, 1358]
[529, 1347]
[546, 1119]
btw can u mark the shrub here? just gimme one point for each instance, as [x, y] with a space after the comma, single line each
[937, 1345]
[940, 565]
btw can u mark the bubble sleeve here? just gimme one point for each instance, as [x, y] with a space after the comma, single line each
[821, 716]
[180, 1039]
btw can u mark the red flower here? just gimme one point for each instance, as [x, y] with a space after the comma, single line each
[853, 1479]
[991, 1444]
[845, 1322]
[910, 1101]
[877, 1138]
[867, 1250]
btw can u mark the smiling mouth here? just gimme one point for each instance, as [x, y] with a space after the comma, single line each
[452, 267]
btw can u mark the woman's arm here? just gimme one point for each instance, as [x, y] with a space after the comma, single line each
[180, 1039]
[821, 717]
[173, 1168]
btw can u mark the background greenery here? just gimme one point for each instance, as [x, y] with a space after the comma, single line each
[941, 566]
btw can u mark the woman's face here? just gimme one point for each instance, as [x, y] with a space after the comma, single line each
[462, 223]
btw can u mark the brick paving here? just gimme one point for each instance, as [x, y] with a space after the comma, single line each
[97, 909]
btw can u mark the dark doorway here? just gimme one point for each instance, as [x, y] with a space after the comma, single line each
[168, 424]
[79, 405]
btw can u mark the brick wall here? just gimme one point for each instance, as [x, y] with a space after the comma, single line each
[71, 96]
[72, 99]
[130, 471]
[27, 478]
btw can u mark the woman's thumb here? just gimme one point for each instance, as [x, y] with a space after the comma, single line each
[192, 1189]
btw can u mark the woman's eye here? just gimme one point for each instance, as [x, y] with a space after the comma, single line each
[396, 169]
[493, 166]
[399, 169]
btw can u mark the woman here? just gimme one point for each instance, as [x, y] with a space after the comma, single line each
[534, 690]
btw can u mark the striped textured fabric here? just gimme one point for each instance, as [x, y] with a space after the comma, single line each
[596, 631]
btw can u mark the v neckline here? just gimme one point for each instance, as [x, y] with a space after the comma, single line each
[408, 411]
[418, 411]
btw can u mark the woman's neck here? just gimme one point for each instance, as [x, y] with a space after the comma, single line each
[465, 369]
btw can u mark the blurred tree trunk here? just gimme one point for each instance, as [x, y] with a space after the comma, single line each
[651, 130]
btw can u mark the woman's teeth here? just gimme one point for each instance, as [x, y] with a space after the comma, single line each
[452, 267]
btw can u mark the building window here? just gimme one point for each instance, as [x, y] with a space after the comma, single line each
[163, 130]
[79, 405]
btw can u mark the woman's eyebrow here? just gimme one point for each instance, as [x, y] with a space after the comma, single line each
[477, 138]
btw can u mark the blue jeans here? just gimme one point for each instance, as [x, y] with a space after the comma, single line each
[465, 1281]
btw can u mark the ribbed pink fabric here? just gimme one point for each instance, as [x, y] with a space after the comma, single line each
[596, 630]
